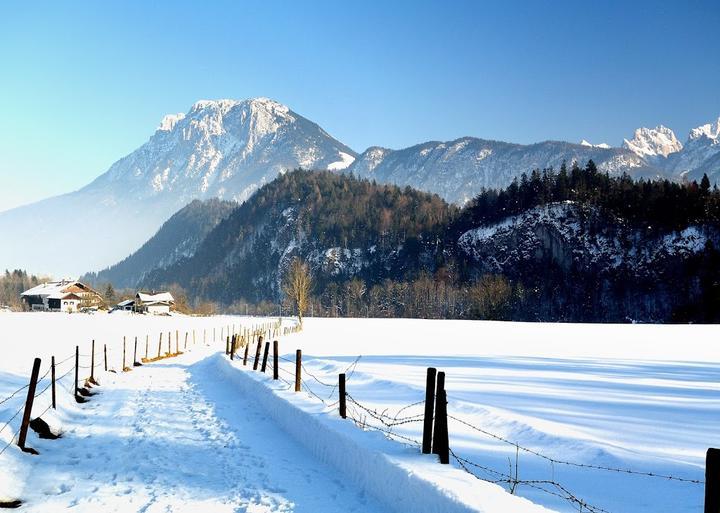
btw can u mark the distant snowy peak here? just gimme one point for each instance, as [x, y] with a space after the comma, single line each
[584, 142]
[653, 142]
[709, 130]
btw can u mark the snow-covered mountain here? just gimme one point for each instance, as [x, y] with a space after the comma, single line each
[228, 149]
[220, 148]
[653, 142]
[701, 154]
[457, 170]
[660, 148]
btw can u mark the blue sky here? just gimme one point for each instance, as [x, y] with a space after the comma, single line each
[84, 83]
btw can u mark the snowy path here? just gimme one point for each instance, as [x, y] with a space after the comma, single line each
[172, 437]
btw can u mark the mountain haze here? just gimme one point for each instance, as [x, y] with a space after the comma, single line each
[220, 148]
[179, 237]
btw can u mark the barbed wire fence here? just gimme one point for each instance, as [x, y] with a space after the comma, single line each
[387, 422]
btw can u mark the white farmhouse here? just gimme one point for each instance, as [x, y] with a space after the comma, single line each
[155, 303]
[60, 296]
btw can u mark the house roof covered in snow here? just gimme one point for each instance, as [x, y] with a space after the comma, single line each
[127, 302]
[162, 297]
[56, 289]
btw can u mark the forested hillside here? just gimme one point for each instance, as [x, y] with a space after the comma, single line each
[345, 227]
[572, 244]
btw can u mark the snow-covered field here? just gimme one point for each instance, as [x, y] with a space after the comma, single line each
[195, 432]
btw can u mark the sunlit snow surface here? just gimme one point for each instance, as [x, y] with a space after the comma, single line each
[176, 437]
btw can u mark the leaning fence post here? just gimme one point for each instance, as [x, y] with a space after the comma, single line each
[232, 348]
[341, 392]
[186, 337]
[265, 356]
[441, 445]
[298, 367]
[257, 354]
[227, 344]
[52, 377]
[29, 404]
[135, 360]
[712, 481]
[160, 345]
[147, 343]
[105, 355]
[429, 400]
[123, 366]
[247, 347]
[275, 360]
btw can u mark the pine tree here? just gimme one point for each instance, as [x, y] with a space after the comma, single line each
[705, 184]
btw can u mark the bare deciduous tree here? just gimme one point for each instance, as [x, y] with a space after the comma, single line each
[298, 283]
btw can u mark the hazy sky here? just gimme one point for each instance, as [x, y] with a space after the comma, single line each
[83, 84]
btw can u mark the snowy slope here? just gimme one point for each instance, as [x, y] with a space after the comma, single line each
[220, 148]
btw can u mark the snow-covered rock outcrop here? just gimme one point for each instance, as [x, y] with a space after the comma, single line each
[578, 236]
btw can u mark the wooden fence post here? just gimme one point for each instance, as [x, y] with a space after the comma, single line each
[123, 365]
[177, 342]
[275, 360]
[105, 355]
[52, 377]
[232, 348]
[257, 354]
[441, 445]
[298, 368]
[429, 402]
[341, 392]
[147, 344]
[186, 337]
[92, 363]
[28, 406]
[160, 345]
[712, 481]
[77, 372]
[169, 343]
[136, 362]
[265, 356]
[227, 344]
[247, 347]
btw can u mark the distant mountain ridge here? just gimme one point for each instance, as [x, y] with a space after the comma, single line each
[457, 170]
